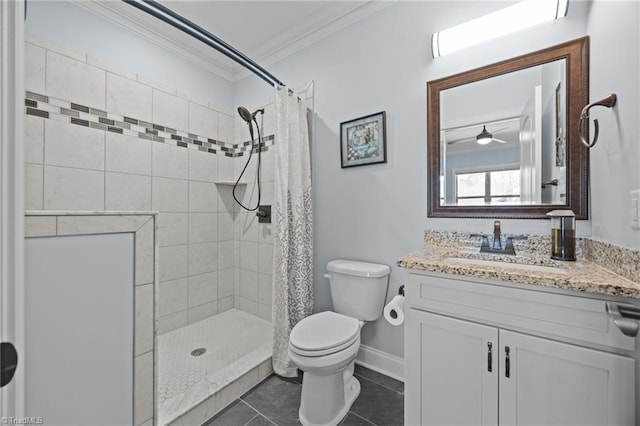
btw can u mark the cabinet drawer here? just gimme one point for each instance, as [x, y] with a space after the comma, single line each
[570, 318]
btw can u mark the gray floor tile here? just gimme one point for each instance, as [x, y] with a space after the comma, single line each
[259, 421]
[379, 404]
[380, 379]
[276, 399]
[236, 414]
[355, 420]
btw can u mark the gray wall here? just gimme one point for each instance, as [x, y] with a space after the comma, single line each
[79, 314]
[378, 212]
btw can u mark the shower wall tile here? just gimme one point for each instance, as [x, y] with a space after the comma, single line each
[169, 323]
[247, 306]
[226, 166]
[145, 267]
[203, 289]
[225, 127]
[73, 146]
[34, 139]
[200, 312]
[265, 232]
[170, 161]
[203, 228]
[173, 296]
[170, 110]
[248, 226]
[34, 65]
[128, 97]
[34, 184]
[226, 254]
[203, 197]
[73, 189]
[265, 289]
[226, 284]
[268, 166]
[173, 229]
[111, 68]
[144, 299]
[173, 262]
[264, 312]
[169, 195]
[203, 121]
[265, 259]
[225, 226]
[249, 253]
[68, 78]
[203, 258]
[127, 192]
[127, 154]
[143, 390]
[202, 166]
[226, 203]
[249, 285]
[225, 304]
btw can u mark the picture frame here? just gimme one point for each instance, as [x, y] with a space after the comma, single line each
[363, 140]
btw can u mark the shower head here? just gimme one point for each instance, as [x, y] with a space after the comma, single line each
[245, 114]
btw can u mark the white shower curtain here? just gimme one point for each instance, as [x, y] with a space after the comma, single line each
[293, 227]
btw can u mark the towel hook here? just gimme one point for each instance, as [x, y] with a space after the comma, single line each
[609, 102]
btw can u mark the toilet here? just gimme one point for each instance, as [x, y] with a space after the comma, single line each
[324, 345]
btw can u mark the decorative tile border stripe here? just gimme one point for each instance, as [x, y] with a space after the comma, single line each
[60, 110]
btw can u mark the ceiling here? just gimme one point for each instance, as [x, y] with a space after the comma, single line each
[264, 30]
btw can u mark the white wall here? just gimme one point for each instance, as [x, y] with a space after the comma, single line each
[615, 47]
[378, 212]
[73, 28]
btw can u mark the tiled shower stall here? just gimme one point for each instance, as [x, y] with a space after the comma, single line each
[105, 139]
[100, 138]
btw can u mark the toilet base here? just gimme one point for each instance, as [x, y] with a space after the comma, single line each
[351, 392]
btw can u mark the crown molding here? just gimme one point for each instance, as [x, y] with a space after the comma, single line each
[123, 15]
[297, 38]
[321, 27]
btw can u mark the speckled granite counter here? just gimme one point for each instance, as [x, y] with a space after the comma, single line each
[622, 278]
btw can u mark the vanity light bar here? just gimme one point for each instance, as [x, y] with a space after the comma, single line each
[521, 15]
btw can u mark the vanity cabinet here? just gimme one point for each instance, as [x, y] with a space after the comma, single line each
[484, 354]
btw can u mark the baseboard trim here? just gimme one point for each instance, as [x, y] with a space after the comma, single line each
[382, 362]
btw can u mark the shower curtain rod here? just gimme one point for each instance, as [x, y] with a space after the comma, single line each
[165, 14]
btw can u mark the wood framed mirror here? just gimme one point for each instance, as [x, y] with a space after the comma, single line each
[503, 139]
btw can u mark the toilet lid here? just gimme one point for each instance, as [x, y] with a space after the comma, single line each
[323, 331]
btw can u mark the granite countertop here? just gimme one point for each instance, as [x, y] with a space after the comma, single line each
[582, 275]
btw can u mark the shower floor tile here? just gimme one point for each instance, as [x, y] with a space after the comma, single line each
[276, 400]
[234, 342]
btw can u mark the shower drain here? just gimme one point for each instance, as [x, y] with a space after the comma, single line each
[198, 352]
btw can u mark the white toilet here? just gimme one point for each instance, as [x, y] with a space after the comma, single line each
[324, 345]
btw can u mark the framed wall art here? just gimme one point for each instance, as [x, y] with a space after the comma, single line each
[363, 140]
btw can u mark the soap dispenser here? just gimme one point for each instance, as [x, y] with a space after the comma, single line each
[563, 234]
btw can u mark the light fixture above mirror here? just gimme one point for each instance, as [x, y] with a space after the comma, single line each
[514, 18]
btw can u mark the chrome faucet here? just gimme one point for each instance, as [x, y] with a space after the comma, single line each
[485, 247]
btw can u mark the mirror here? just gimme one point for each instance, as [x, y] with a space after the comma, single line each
[503, 139]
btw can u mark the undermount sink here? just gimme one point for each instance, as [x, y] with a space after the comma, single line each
[523, 264]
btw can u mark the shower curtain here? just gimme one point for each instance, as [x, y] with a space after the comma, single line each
[293, 227]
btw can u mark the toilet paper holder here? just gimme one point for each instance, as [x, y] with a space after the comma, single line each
[401, 290]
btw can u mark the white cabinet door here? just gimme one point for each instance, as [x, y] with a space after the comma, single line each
[553, 383]
[448, 379]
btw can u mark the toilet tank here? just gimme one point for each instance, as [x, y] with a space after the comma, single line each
[358, 289]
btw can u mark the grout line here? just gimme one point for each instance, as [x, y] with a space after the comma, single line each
[359, 376]
[254, 408]
[365, 419]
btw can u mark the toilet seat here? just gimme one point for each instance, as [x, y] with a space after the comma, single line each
[324, 333]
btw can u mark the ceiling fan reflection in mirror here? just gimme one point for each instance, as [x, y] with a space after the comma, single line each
[483, 138]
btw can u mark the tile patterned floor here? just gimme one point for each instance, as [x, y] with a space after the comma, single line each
[275, 401]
